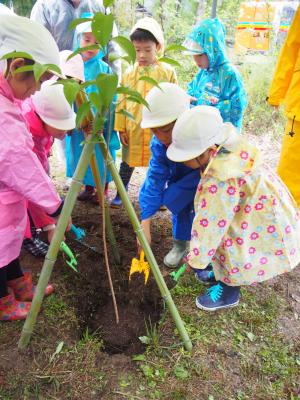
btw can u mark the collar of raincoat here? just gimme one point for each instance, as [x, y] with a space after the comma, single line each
[210, 35]
[241, 160]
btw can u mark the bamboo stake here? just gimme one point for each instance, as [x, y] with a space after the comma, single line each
[56, 241]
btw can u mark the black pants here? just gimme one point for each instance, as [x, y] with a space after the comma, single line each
[125, 173]
[10, 271]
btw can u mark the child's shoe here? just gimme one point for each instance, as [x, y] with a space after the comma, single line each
[23, 287]
[175, 255]
[11, 309]
[206, 275]
[116, 202]
[219, 296]
[87, 194]
[35, 246]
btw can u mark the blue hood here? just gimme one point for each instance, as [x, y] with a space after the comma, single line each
[210, 35]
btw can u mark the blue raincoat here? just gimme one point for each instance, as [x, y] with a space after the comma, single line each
[171, 184]
[92, 68]
[221, 84]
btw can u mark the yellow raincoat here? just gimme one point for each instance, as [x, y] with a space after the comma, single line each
[137, 153]
[285, 89]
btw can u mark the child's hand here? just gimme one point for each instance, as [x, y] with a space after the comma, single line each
[124, 138]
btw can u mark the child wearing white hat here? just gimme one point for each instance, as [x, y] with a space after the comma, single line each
[49, 116]
[148, 40]
[22, 177]
[246, 225]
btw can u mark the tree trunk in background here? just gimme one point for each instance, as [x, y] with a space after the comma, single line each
[161, 14]
[200, 10]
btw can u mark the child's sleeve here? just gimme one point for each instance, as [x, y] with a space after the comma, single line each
[214, 211]
[151, 193]
[21, 171]
[232, 108]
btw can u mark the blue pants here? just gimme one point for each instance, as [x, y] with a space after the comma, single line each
[182, 223]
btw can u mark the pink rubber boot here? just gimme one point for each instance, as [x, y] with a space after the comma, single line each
[23, 287]
[11, 309]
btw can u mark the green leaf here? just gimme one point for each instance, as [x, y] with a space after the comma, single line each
[82, 112]
[170, 61]
[250, 336]
[71, 89]
[138, 357]
[144, 339]
[107, 85]
[25, 68]
[149, 80]
[102, 27]
[107, 3]
[127, 114]
[57, 351]
[16, 54]
[127, 90]
[78, 21]
[139, 100]
[175, 47]
[181, 373]
[40, 69]
[83, 49]
[96, 100]
[98, 124]
[127, 46]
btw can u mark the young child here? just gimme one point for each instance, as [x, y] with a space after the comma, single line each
[247, 223]
[217, 83]
[22, 177]
[93, 66]
[49, 116]
[147, 38]
[167, 183]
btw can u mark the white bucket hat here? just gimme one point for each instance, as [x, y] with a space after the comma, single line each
[192, 48]
[23, 35]
[196, 130]
[165, 105]
[152, 26]
[73, 67]
[52, 107]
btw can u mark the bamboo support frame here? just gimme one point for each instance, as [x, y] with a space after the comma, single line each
[59, 233]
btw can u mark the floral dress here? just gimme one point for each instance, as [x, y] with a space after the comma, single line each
[247, 223]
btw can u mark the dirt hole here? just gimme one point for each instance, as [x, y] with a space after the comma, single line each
[139, 305]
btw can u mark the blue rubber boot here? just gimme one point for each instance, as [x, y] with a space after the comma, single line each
[219, 296]
[206, 275]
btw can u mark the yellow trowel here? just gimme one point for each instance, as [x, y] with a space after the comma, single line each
[141, 266]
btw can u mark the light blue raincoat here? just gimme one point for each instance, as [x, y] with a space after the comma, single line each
[220, 85]
[74, 142]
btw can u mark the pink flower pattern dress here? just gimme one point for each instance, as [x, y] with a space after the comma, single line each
[247, 223]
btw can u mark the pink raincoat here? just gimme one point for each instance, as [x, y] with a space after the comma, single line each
[42, 147]
[22, 177]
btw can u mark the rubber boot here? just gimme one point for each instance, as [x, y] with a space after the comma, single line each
[23, 287]
[175, 255]
[11, 309]
[117, 202]
[87, 194]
